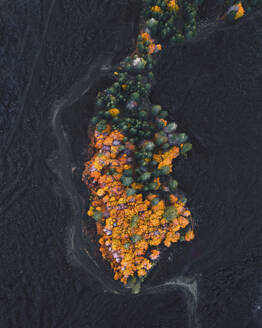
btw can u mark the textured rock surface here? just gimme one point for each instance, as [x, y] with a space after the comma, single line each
[214, 83]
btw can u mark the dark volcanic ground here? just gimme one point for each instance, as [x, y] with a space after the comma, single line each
[213, 87]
